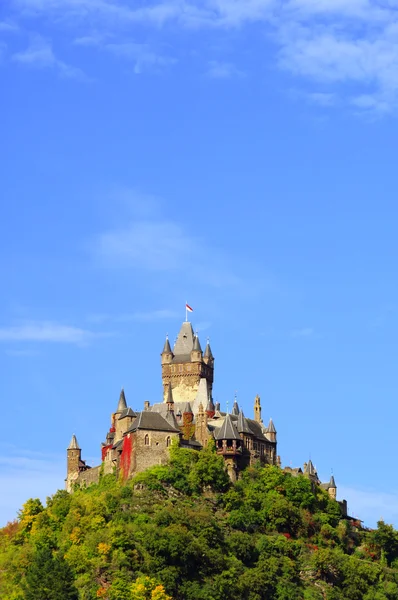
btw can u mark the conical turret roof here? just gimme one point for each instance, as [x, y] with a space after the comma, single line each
[73, 444]
[210, 405]
[235, 407]
[122, 404]
[208, 353]
[196, 344]
[227, 430]
[170, 395]
[167, 347]
[332, 483]
[185, 339]
[271, 427]
[243, 426]
[309, 469]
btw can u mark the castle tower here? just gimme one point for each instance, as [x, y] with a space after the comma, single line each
[270, 431]
[229, 445]
[332, 489]
[73, 455]
[257, 409]
[201, 429]
[185, 365]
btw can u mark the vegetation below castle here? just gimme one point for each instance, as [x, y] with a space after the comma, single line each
[184, 532]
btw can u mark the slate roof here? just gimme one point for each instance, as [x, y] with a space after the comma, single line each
[235, 408]
[196, 344]
[166, 347]
[243, 425]
[208, 353]
[227, 430]
[73, 444]
[151, 421]
[271, 427]
[310, 469]
[122, 404]
[127, 412]
[184, 343]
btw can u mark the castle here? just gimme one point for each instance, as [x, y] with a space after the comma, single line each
[188, 416]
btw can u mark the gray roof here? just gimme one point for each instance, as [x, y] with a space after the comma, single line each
[332, 483]
[122, 404]
[227, 430]
[152, 421]
[171, 419]
[271, 427]
[243, 425]
[309, 468]
[127, 412]
[73, 444]
[218, 406]
[196, 344]
[208, 353]
[166, 347]
[170, 395]
[185, 339]
[235, 408]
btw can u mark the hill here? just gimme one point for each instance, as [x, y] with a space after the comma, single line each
[183, 531]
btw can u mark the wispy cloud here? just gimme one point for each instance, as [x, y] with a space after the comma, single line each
[8, 27]
[40, 55]
[143, 316]
[25, 474]
[165, 246]
[43, 331]
[350, 46]
[303, 332]
[223, 70]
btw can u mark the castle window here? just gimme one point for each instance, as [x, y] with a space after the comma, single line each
[180, 367]
[146, 440]
[168, 441]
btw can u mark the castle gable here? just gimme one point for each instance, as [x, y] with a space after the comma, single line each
[151, 421]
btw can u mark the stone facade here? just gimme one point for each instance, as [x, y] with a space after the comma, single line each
[187, 415]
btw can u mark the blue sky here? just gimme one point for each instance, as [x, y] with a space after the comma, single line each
[238, 155]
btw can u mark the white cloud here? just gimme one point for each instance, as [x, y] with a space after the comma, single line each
[26, 474]
[8, 27]
[303, 332]
[223, 70]
[143, 316]
[336, 42]
[44, 331]
[39, 54]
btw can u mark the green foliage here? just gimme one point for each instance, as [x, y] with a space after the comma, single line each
[182, 531]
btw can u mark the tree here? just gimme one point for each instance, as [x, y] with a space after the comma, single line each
[49, 577]
[146, 588]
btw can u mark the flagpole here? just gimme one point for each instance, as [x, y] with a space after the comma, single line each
[186, 312]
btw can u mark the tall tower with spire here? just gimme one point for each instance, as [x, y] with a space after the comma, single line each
[73, 454]
[185, 365]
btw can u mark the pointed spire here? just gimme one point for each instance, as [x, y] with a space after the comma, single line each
[73, 444]
[208, 353]
[271, 427]
[185, 340]
[122, 404]
[196, 344]
[332, 483]
[243, 426]
[235, 407]
[170, 400]
[210, 405]
[218, 406]
[166, 347]
[227, 430]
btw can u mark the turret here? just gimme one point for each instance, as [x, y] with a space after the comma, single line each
[270, 431]
[73, 454]
[170, 401]
[122, 404]
[235, 408]
[201, 429]
[210, 408]
[167, 355]
[196, 353]
[208, 357]
[332, 489]
[257, 409]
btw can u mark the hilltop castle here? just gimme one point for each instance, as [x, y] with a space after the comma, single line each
[188, 415]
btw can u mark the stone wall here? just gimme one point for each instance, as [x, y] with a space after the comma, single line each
[90, 476]
[152, 448]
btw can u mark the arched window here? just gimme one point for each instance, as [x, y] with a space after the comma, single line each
[168, 441]
[146, 440]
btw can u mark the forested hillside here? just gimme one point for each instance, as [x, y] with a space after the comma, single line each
[182, 531]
